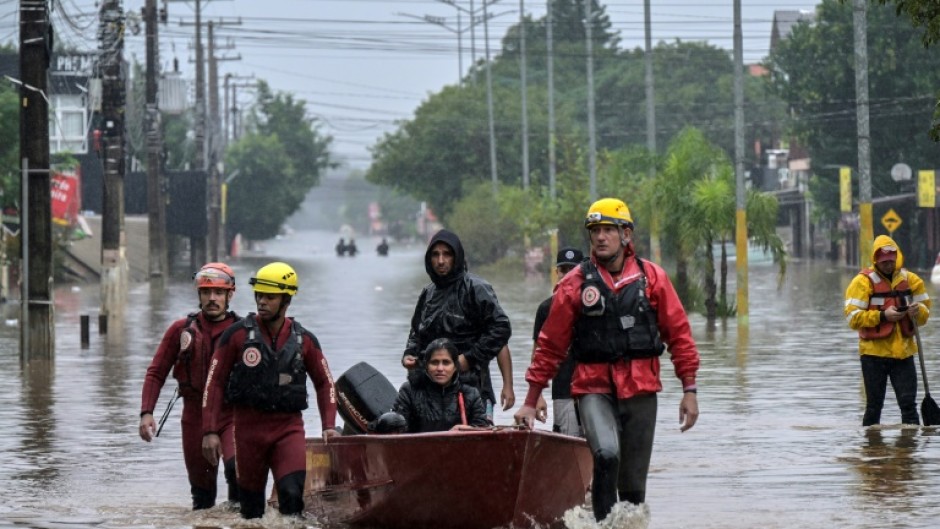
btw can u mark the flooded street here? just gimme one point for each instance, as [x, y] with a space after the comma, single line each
[778, 444]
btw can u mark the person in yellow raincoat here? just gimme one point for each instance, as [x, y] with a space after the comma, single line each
[883, 303]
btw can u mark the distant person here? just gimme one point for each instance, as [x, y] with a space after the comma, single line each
[565, 417]
[341, 247]
[351, 248]
[616, 314]
[462, 307]
[434, 400]
[882, 303]
[186, 350]
[382, 248]
[261, 366]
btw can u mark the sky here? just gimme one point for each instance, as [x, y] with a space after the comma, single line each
[363, 65]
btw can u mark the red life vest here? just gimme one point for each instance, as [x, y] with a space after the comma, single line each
[882, 297]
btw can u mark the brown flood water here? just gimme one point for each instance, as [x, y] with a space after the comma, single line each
[778, 444]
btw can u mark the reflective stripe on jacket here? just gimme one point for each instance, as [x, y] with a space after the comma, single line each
[862, 308]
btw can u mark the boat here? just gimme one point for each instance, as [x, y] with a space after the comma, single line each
[499, 477]
[506, 476]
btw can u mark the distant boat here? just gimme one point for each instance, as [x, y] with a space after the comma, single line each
[458, 480]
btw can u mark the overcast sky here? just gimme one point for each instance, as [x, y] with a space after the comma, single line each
[363, 64]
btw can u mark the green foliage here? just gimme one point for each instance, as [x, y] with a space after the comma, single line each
[178, 144]
[279, 161]
[489, 225]
[9, 146]
[262, 196]
[398, 211]
[444, 150]
[280, 114]
[814, 72]
[923, 14]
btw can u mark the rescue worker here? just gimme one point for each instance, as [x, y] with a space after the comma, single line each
[883, 303]
[616, 313]
[434, 400]
[564, 416]
[261, 366]
[186, 350]
[462, 307]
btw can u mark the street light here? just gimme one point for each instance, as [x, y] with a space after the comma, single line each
[459, 30]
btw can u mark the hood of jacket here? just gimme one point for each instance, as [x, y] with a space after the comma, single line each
[460, 262]
[880, 242]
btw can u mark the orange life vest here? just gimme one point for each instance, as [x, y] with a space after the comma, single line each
[882, 297]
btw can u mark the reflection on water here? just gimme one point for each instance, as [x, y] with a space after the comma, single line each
[778, 445]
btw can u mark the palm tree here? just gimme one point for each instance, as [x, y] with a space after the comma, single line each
[696, 193]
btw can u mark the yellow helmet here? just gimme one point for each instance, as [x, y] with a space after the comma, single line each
[608, 211]
[275, 278]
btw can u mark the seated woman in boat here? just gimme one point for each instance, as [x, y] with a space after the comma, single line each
[434, 400]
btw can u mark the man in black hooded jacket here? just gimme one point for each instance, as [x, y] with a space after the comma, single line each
[462, 307]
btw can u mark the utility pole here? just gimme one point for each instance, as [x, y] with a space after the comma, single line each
[740, 195]
[113, 98]
[225, 111]
[213, 154]
[525, 107]
[37, 319]
[592, 142]
[655, 249]
[473, 44]
[550, 63]
[215, 142]
[236, 111]
[489, 99]
[866, 232]
[228, 108]
[156, 189]
[197, 250]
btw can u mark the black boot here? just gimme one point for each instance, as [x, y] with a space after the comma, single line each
[252, 504]
[604, 486]
[202, 498]
[635, 497]
[290, 493]
[232, 481]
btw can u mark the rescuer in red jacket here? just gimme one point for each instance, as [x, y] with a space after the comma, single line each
[616, 313]
[261, 367]
[186, 350]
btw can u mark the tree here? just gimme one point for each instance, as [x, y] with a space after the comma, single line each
[696, 191]
[9, 147]
[489, 226]
[902, 79]
[280, 114]
[261, 197]
[279, 160]
[923, 14]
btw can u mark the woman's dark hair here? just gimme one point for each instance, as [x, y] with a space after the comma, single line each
[441, 343]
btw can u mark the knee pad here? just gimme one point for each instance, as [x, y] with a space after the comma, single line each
[290, 493]
[251, 504]
[202, 498]
[231, 479]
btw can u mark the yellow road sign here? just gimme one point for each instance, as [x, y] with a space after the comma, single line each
[891, 221]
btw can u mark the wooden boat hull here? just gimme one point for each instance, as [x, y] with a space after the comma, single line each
[458, 480]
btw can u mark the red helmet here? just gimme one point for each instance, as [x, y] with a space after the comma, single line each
[215, 275]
